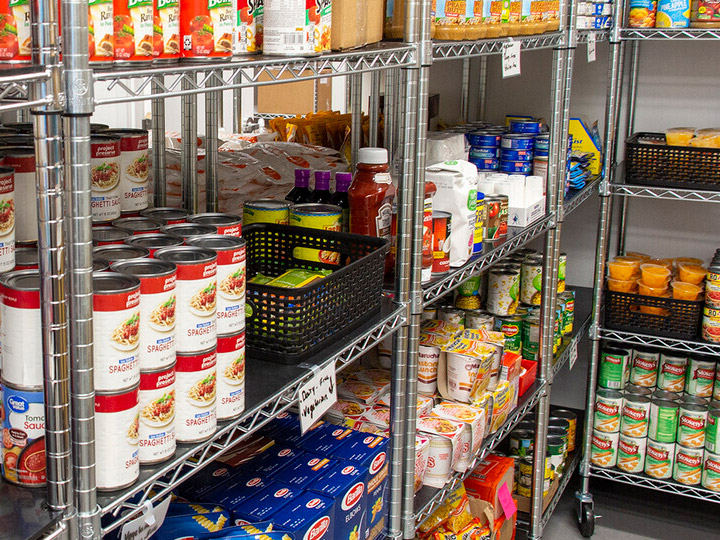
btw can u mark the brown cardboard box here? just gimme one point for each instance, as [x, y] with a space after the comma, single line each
[356, 23]
[295, 97]
[524, 503]
[485, 481]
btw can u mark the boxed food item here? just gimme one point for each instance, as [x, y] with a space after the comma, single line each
[502, 405]
[422, 448]
[305, 470]
[265, 503]
[238, 490]
[190, 525]
[359, 391]
[488, 478]
[209, 478]
[308, 512]
[274, 460]
[345, 483]
[356, 23]
[297, 97]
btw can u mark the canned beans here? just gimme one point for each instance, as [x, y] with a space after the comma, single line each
[196, 390]
[117, 437]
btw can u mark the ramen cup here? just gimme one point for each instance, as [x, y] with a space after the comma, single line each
[622, 270]
[655, 275]
[649, 290]
[691, 273]
[622, 285]
[685, 291]
[461, 373]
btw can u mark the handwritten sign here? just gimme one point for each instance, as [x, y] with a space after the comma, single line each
[591, 47]
[317, 396]
[511, 59]
[573, 354]
[148, 523]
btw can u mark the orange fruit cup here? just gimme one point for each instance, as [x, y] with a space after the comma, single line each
[688, 260]
[685, 291]
[637, 255]
[649, 290]
[654, 310]
[667, 263]
[622, 285]
[654, 275]
[623, 270]
[691, 273]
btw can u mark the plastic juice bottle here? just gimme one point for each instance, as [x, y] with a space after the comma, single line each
[340, 197]
[301, 192]
[321, 193]
[371, 194]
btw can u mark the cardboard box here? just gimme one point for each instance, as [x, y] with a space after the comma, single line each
[525, 215]
[305, 471]
[238, 490]
[294, 97]
[356, 23]
[485, 481]
[582, 141]
[524, 503]
[266, 502]
[272, 461]
[309, 516]
[346, 484]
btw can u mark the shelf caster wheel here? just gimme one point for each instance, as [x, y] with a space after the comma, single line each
[586, 520]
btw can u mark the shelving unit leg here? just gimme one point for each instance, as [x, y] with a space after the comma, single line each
[482, 88]
[390, 110]
[212, 117]
[158, 143]
[237, 110]
[356, 112]
[189, 145]
[374, 108]
[465, 91]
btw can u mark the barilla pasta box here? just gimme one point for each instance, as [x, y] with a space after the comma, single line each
[285, 422]
[205, 481]
[262, 505]
[370, 451]
[345, 483]
[177, 509]
[305, 470]
[274, 460]
[307, 517]
[237, 490]
[327, 440]
[294, 437]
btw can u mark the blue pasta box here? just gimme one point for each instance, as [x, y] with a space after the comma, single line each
[283, 422]
[304, 470]
[205, 481]
[345, 483]
[370, 451]
[238, 490]
[177, 509]
[262, 505]
[308, 517]
[325, 440]
[274, 460]
[294, 436]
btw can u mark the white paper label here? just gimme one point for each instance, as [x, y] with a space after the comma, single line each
[511, 59]
[573, 354]
[591, 47]
[317, 396]
[147, 524]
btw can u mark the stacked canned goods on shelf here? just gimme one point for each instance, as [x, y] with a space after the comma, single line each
[658, 412]
[594, 15]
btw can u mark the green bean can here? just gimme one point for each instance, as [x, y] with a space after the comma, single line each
[531, 337]
[614, 362]
[511, 327]
[568, 298]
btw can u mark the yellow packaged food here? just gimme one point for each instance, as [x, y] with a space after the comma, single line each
[679, 136]
[296, 278]
[502, 405]
[440, 516]
[434, 326]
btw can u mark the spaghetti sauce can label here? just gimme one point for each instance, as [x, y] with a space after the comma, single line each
[231, 376]
[133, 170]
[23, 425]
[15, 40]
[117, 439]
[133, 30]
[7, 219]
[207, 28]
[22, 160]
[102, 38]
[20, 331]
[166, 31]
[196, 293]
[105, 171]
[196, 391]
[157, 415]
[231, 290]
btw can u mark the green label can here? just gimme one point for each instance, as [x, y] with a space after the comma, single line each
[571, 418]
[471, 286]
[521, 442]
[712, 431]
[531, 278]
[511, 327]
[688, 465]
[562, 271]
[631, 453]
[644, 368]
[671, 375]
[659, 459]
[531, 337]
[608, 407]
[613, 364]
[635, 390]
[700, 377]
[266, 211]
[635, 416]
[568, 299]
[663, 421]
[691, 425]
[711, 472]
[603, 449]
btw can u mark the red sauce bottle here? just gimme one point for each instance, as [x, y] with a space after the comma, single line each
[371, 194]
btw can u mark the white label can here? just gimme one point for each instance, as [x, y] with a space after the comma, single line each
[711, 472]
[287, 30]
[231, 375]
[604, 449]
[22, 160]
[157, 415]
[688, 465]
[117, 439]
[134, 165]
[105, 173]
[116, 331]
[631, 453]
[196, 395]
[7, 219]
[659, 459]
[700, 377]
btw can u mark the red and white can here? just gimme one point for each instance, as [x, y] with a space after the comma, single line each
[26, 258]
[231, 376]
[196, 391]
[166, 215]
[134, 165]
[102, 39]
[226, 224]
[196, 291]
[117, 438]
[15, 39]
[105, 171]
[22, 160]
[109, 235]
[186, 230]
[100, 265]
[120, 252]
[297, 27]
[133, 31]
[249, 27]
[154, 241]
[230, 279]
[7, 219]
[157, 415]
[116, 331]
[207, 28]
[20, 332]
[166, 26]
[138, 225]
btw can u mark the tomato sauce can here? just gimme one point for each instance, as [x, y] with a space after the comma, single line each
[711, 324]
[157, 415]
[297, 27]
[22, 356]
[249, 27]
[100, 265]
[154, 241]
[497, 214]
[231, 376]
[116, 331]
[134, 167]
[120, 252]
[22, 160]
[102, 34]
[441, 242]
[26, 258]
[266, 211]
[23, 425]
[105, 171]
[166, 215]
[137, 225]
[196, 391]
[133, 31]
[110, 235]
[196, 292]
[207, 28]
[227, 224]
[117, 438]
[186, 230]
[230, 279]
[166, 31]
[15, 40]
[7, 219]
[157, 309]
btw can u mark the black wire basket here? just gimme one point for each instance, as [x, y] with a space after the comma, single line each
[287, 325]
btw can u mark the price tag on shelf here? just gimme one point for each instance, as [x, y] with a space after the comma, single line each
[511, 59]
[317, 396]
[591, 47]
[148, 523]
[573, 354]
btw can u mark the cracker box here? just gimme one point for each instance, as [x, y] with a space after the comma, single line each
[305, 470]
[307, 517]
[263, 504]
[346, 484]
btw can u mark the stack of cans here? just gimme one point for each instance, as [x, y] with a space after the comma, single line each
[516, 155]
[485, 148]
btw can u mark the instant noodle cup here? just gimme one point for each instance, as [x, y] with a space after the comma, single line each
[692, 273]
[679, 136]
[685, 291]
[623, 271]
[654, 275]
[620, 285]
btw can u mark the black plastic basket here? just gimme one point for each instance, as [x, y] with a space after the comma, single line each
[289, 325]
[679, 319]
[650, 162]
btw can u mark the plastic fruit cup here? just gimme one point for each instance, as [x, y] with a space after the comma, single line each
[654, 275]
[637, 254]
[667, 263]
[685, 291]
[622, 285]
[692, 273]
[649, 290]
[654, 310]
[622, 270]
[688, 260]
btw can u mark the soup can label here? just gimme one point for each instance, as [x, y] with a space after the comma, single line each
[7, 219]
[23, 163]
[700, 378]
[604, 448]
[712, 431]
[635, 416]
[157, 415]
[711, 472]
[644, 368]
[117, 439]
[133, 25]
[207, 28]
[116, 335]
[608, 405]
[16, 42]
[671, 375]
[691, 426]
[231, 376]
[613, 364]
[101, 26]
[21, 335]
[631, 453]
[716, 384]
[196, 391]
[196, 293]
[23, 423]
[249, 27]
[688, 465]
[231, 290]
[663, 421]
[133, 171]
[659, 459]
[166, 30]
[105, 171]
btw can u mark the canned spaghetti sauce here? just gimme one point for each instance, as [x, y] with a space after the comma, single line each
[157, 309]
[23, 424]
[120, 252]
[248, 27]
[186, 230]
[166, 215]
[7, 219]
[133, 29]
[133, 168]
[231, 376]
[26, 258]
[108, 236]
[116, 330]
[105, 171]
[227, 224]
[166, 31]
[138, 224]
[230, 279]
[102, 38]
[15, 40]
[196, 390]
[117, 439]
[154, 241]
[22, 357]
[196, 292]
[207, 28]
[157, 415]
[22, 160]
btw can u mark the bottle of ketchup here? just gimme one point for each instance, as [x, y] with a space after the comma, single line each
[371, 194]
